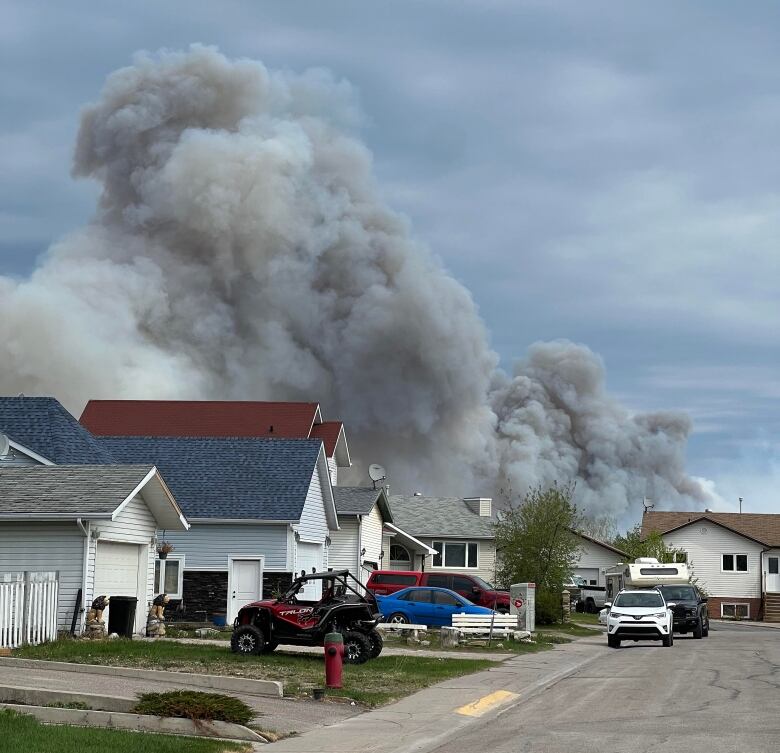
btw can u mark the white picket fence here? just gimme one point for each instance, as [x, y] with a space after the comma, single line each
[28, 608]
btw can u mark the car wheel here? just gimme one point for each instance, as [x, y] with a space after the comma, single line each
[706, 629]
[398, 618]
[270, 647]
[590, 606]
[247, 640]
[579, 607]
[613, 641]
[357, 647]
[377, 643]
[698, 629]
[667, 640]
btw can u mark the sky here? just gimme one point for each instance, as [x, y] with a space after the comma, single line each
[602, 172]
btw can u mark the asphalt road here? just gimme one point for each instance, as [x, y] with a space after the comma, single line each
[718, 694]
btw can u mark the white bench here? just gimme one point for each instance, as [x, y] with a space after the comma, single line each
[482, 626]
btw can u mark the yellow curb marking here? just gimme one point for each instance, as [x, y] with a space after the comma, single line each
[484, 704]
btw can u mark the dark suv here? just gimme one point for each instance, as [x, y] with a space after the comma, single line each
[689, 612]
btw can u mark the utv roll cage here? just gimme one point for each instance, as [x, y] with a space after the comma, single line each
[335, 584]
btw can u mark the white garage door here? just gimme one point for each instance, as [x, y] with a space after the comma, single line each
[116, 569]
[590, 574]
[310, 557]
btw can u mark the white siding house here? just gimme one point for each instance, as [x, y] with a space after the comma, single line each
[93, 525]
[594, 558]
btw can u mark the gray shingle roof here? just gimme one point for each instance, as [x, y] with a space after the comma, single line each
[439, 516]
[228, 478]
[66, 491]
[41, 424]
[360, 500]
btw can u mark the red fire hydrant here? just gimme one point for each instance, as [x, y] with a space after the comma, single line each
[334, 654]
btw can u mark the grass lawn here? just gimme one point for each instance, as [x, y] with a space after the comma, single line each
[375, 683]
[584, 618]
[24, 734]
[570, 628]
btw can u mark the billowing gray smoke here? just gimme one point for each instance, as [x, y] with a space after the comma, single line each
[240, 250]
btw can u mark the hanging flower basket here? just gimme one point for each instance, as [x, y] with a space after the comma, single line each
[163, 549]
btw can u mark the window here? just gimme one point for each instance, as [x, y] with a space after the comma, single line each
[735, 611]
[399, 553]
[459, 583]
[455, 554]
[639, 599]
[658, 570]
[168, 576]
[439, 581]
[447, 600]
[773, 563]
[392, 578]
[420, 595]
[735, 563]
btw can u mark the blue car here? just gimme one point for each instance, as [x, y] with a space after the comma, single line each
[426, 606]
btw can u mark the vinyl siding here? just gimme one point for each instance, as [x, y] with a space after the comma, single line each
[705, 542]
[371, 538]
[313, 526]
[486, 559]
[333, 470]
[594, 556]
[344, 544]
[46, 547]
[206, 546]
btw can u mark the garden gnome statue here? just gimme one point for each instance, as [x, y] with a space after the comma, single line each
[155, 622]
[95, 625]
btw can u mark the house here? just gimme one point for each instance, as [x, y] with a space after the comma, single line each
[94, 525]
[260, 510]
[363, 514]
[594, 558]
[216, 418]
[460, 531]
[41, 431]
[734, 556]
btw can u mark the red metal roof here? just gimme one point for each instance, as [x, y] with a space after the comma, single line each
[201, 418]
[328, 432]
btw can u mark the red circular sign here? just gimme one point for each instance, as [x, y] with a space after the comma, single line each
[519, 603]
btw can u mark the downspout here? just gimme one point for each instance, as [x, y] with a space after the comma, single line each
[85, 530]
[359, 571]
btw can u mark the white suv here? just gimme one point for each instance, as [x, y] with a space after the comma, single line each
[639, 616]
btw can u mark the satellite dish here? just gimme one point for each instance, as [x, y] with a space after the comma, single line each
[5, 445]
[376, 472]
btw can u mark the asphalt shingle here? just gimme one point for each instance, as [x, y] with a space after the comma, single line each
[360, 500]
[228, 478]
[439, 516]
[41, 424]
[67, 490]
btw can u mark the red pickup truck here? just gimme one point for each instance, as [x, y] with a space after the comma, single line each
[472, 587]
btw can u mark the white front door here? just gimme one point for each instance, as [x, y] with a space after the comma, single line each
[310, 560]
[246, 585]
[773, 573]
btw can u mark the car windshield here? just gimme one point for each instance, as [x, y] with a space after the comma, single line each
[679, 593]
[648, 599]
[483, 583]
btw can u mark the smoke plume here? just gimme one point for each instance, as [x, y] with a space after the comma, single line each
[241, 250]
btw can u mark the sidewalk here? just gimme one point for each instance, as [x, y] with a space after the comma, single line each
[278, 714]
[438, 713]
[748, 623]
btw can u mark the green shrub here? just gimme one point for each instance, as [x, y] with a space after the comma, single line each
[191, 704]
[549, 607]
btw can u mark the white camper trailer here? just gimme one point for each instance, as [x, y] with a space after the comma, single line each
[645, 572]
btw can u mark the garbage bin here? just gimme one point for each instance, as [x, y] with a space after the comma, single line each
[121, 615]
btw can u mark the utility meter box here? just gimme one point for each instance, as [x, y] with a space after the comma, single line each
[522, 602]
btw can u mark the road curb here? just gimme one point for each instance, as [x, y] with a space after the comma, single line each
[212, 682]
[138, 722]
[41, 697]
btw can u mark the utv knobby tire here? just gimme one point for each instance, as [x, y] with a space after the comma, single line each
[357, 647]
[377, 643]
[247, 640]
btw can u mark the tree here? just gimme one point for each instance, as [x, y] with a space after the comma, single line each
[537, 544]
[632, 543]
